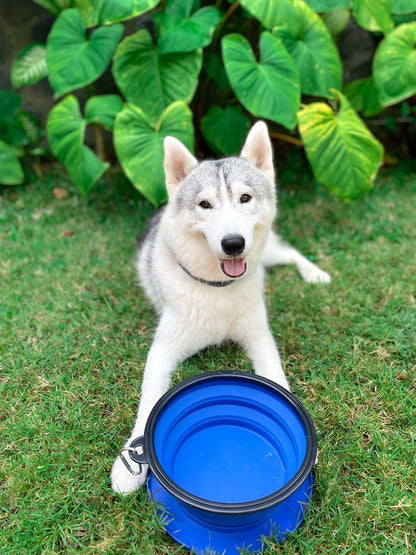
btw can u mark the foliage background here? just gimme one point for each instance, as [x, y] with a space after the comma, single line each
[203, 72]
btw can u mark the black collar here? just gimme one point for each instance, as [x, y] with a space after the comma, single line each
[207, 282]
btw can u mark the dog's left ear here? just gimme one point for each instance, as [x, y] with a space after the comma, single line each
[258, 149]
[178, 163]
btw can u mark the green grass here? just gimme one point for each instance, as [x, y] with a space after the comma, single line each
[75, 330]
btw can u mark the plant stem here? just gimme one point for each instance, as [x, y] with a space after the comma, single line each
[37, 167]
[224, 20]
[228, 14]
[99, 141]
[287, 138]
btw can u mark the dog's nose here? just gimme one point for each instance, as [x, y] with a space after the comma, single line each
[233, 244]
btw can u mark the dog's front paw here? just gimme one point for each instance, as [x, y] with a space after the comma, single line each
[313, 274]
[123, 481]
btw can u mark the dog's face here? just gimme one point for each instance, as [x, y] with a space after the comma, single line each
[230, 203]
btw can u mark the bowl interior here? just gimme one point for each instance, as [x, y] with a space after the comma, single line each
[229, 440]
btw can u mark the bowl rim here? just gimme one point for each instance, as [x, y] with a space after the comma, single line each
[245, 507]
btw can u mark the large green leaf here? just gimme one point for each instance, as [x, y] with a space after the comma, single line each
[73, 59]
[224, 130]
[11, 172]
[29, 66]
[327, 5]
[404, 6]
[55, 6]
[270, 13]
[394, 65]
[373, 15]
[343, 154]
[265, 12]
[139, 145]
[182, 31]
[102, 12]
[103, 110]
[152, 80]
[364, 96]
[268, 88]
[65, 130]
[306, 38]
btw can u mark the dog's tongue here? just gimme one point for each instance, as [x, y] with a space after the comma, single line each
[234, 267]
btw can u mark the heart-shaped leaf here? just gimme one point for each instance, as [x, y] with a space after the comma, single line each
[29, 66]
[73, 59]
[373, 15]
[216, 126]
[268, 88]
[103, 12]
[394, 65]
[11, 172]
[182, 31]
[103, 110]
[343, 154]
[139, 145]
[306, 38]
[364, 96]
[65, 130]
[152, 80]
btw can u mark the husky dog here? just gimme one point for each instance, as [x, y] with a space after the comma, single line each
[202, 263]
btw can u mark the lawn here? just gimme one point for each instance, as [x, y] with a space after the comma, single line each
[75, 330]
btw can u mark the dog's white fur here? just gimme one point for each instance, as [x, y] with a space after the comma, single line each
[194, 314]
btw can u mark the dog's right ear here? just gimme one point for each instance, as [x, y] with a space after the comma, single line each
[178, 163]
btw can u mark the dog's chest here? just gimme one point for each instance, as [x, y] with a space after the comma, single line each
[216, 309]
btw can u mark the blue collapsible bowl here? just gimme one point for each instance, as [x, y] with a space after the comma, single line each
[230, 458]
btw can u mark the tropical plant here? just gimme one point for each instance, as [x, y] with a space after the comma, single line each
[19, 136]
[213, 69]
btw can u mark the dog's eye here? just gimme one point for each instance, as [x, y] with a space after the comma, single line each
[245, 198]
[205, 204]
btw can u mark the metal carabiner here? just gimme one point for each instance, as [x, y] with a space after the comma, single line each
[136, 453]
[126, 462]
